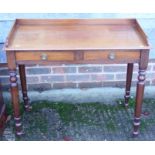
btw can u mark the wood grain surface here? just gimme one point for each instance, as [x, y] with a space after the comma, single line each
[76, 34]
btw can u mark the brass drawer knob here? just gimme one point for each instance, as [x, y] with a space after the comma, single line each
[111, 56]
[44, 56]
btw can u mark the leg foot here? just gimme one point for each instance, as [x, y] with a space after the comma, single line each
[27, 105]
[128, 83]
[136, 126]
[18, 124]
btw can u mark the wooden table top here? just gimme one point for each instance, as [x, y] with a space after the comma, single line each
[76, 34]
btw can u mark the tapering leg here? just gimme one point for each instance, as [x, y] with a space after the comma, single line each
[128, 83]
[140, 91]
[24, 87]
[15, 101]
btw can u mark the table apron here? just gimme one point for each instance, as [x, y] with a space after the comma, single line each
[77, 57]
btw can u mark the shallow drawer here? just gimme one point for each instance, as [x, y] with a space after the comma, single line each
[118, 56]
[45, 56]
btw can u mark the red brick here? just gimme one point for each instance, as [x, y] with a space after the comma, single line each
[102, 77]
[6, 87]
[4, 72]
[52, 78]
[38, 70]
[150, 75]
[115, 68]
[64, 85]
[77, 77]
[4, 80]
[62, 70]
[122, 76]
[89, 84]
[120, 84]
[39, 87]
[32, 79]
[90, 69]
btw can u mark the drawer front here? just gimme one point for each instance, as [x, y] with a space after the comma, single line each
[112, 56]
[45, 56]
[83, 57]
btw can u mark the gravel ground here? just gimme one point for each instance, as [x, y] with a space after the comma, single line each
[83, 122]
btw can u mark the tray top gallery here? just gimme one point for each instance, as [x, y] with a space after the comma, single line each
[76, 34]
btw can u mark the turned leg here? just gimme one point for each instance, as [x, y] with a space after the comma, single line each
[11, 59]
[139, 100]
[24, 87]
[140, 91]
[128, 83]
[15, 101]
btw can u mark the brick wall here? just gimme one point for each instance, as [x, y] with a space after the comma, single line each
[40, 78]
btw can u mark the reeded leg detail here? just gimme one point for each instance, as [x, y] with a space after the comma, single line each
[15, 101]
[24, 87]
[128, 83]
[139, 100]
